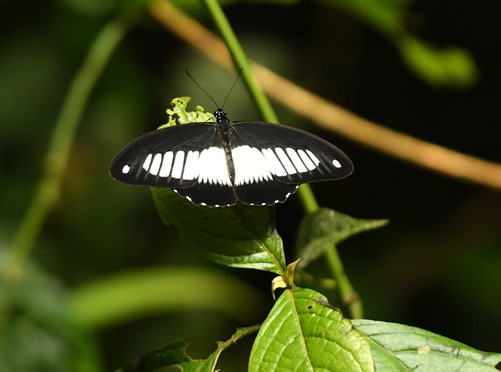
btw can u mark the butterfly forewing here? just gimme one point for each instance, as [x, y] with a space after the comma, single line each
[274, 152]
[171, 157]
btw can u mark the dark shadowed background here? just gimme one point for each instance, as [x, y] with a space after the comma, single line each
[437, 265]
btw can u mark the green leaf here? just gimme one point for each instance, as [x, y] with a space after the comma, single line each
[325, 228]
[139, 293]
[397, 347]
[167, 355]
[384, 15]
[174, 354]
[171, 356]
[438, 67]
[179, 113]
[450, 66]
[207, 365]
[239, 236]
[303, 332]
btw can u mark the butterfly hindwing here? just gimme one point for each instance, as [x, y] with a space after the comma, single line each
[209, 194]
[264, 193]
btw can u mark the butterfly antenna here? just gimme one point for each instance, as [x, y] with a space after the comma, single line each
[208, 95]
[203, 90]
[233, 86]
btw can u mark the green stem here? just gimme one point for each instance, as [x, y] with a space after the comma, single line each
[57, 157]
[240, 60]
[349, 296]
[310, 204]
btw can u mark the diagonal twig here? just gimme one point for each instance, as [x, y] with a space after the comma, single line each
[331, 116]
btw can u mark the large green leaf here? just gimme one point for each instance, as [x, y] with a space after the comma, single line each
[325, 228]
[239, 236]
[397, 347]
[304, 333]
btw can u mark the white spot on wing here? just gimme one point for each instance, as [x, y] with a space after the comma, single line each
[296, 160]
[125, 169]
[288, 194]
[147, 162]
[250, 164]
[285, 161]
[191, 165]
[155, 165]
[336, 163]
[274, 164]
[212, 167]
[306, 160]
[166, 164]
[313, 157]
[177, 168]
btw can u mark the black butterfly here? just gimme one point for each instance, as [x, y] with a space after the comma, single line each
[218, 164]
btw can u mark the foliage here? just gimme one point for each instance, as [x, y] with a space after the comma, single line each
[45, 326]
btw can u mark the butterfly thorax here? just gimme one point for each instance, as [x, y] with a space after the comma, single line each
[224, 129]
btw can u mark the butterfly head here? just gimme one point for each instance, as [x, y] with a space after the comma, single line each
[221, 115]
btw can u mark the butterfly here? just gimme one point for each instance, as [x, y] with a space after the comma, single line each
[216, 164]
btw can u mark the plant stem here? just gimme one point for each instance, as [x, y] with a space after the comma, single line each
[56, 160]
[240, 60]
[349, 296]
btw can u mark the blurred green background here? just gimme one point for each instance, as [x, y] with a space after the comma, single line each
[429, 68]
